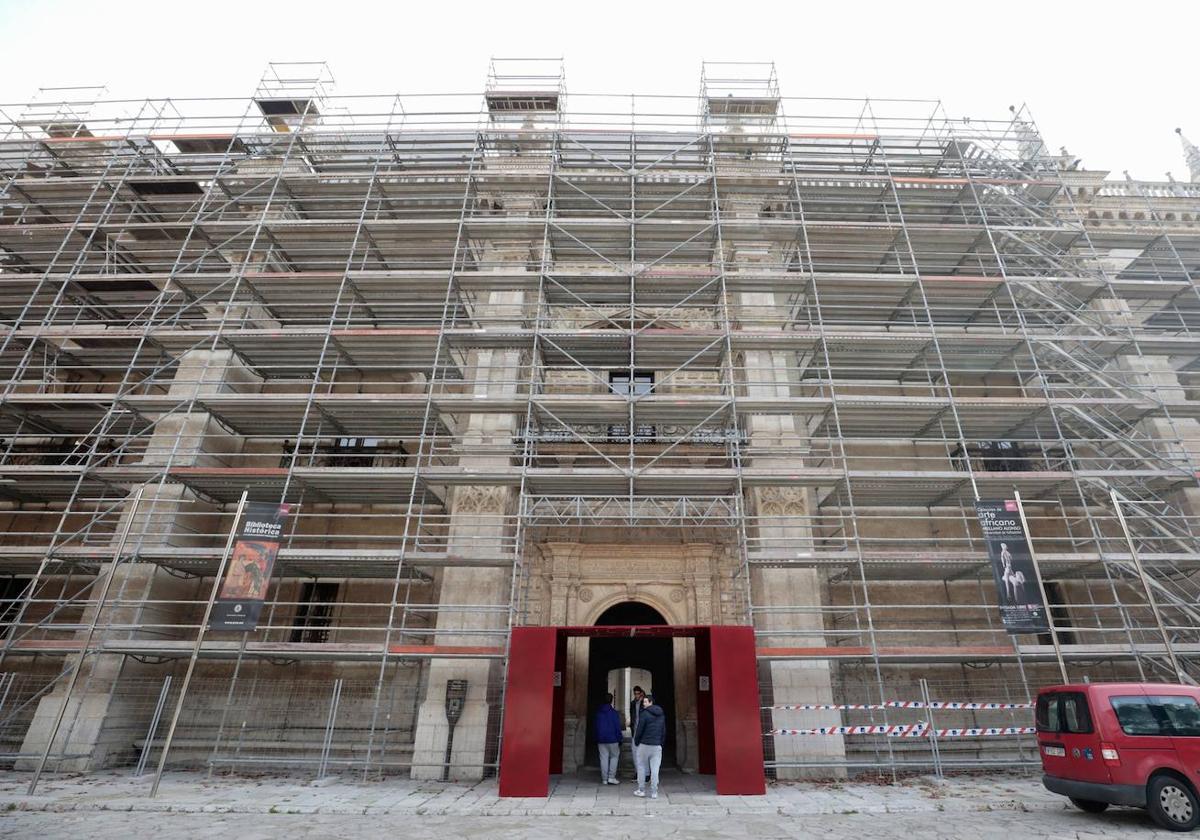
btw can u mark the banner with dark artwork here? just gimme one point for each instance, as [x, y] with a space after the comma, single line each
[248, 574]
[1021, 607]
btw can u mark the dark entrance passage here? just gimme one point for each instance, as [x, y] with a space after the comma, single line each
[653, 655]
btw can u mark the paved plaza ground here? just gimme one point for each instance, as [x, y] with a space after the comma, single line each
[190, 805]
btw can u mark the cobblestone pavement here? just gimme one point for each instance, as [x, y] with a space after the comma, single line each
[189, 805]
[1001, 825]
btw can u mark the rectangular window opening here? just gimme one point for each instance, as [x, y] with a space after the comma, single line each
[1060, 614]
[639, 384]
[11, 591]
[149, 188]
[314, 613]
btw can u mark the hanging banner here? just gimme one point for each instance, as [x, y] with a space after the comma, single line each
[248, 574]
[1021, 607]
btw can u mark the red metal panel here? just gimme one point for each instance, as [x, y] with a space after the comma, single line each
[730, 736]
[737, 725]
[528, 712]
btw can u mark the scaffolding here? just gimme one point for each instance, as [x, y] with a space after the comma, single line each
[453, 329]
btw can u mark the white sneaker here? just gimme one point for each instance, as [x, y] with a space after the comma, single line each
[639, 792]
[654, 794]
[614, 781]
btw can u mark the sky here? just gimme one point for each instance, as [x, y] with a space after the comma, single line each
[1110, 81]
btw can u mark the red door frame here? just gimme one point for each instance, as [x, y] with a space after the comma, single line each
[727, 714]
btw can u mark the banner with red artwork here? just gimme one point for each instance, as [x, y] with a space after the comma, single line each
[248, 574]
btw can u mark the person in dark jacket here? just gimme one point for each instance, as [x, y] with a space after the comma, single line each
[648, 740]
[635, 706]
[608, 740]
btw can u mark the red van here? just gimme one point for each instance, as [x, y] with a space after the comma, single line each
[1123, 744]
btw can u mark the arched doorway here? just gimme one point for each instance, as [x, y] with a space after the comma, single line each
[652, 657]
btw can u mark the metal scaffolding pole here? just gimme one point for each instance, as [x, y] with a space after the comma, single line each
[1037, 573]
[1150, 599]
[200, 634]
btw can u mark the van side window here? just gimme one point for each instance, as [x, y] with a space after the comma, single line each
[1063, 711]
[1160, 715]
[1138, 716]
[1182, 713]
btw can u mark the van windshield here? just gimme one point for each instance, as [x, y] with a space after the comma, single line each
[1170, 714]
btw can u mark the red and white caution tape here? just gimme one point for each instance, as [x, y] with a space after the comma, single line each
[916, 730]
[910, 730]
[975, 706]
[986, 731]
[898, 704]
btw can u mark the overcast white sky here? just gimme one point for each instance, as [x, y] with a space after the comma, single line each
[1110, 80]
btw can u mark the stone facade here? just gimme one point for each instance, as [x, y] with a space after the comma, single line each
[497, 398]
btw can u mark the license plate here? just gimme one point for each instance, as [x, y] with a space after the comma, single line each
[1057, 752]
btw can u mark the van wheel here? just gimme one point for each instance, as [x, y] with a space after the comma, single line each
[1172, 804]
[1089, 805]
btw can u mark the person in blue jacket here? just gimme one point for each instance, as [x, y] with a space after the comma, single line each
[608, 740]
[647, 745]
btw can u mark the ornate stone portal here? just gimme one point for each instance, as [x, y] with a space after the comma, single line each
[692, 583]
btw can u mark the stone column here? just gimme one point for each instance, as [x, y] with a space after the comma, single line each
[1176, 439]
[476, 513]
[1154, 378]
[792, 597]
[100, 714]
[480, 526]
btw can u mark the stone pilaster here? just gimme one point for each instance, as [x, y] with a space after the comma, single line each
[478, 520]
[99, 715]
[1176, 438]
[789, 601]
[480, 525]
